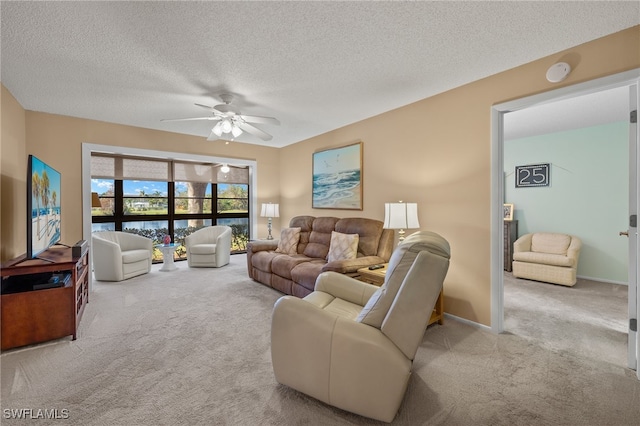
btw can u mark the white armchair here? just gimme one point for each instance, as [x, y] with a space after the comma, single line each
[351, 344]
[119, 255]
[209, 247]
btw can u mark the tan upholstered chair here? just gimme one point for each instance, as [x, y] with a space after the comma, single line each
[547, 257]
[209, 247]
[119, 255]
[351, 344]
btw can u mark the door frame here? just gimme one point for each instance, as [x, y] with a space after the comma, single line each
[624, 79]
[632, 232]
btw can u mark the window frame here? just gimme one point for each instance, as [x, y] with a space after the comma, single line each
[119, 218]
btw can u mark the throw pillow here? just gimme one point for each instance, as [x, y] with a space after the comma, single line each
[288, 243]
[343, 246]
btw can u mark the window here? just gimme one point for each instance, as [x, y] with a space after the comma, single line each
[233, 211]
[154, 198]
[105, 190]
[145, 197]
[193, 198]
[233, 198]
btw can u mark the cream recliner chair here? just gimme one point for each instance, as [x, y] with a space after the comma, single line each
[351, 344]
[120, 255]
[209, 247]
[548, 257]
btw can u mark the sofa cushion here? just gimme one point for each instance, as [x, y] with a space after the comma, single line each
[320, 237]
[544, 258]
[203, 249]
[305, 274]
[283, 264]
[543, 242]
[262, 260]
[288, 243]
[132, 256]
[343, 246]
[368, 230]
[305, 223]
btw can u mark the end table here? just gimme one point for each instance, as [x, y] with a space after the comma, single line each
[167, 256]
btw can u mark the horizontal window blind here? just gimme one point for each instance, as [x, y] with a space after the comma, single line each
[234, 175]
[137, 168]
[192, 172]
[103, 167]
[140, 169]
[126, 168]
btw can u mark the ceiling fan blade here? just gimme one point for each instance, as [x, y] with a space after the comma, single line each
[254, 131]
[259, 119]
[210, 108]
[191, 119]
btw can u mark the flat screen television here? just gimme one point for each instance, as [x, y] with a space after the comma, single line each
[43, 206]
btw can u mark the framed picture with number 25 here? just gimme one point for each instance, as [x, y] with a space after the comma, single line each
[532, 175]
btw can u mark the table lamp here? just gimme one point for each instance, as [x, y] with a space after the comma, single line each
[270, 211]
[401, 216]
[95, 200]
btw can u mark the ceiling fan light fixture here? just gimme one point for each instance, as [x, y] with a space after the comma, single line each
[217, 129]
[224, 168]
[236, 131]
[231, 123]
[226, 126]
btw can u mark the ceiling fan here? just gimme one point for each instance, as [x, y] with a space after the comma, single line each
[231, 122]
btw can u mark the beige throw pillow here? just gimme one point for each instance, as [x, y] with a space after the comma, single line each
[288, 243]
[343, 246]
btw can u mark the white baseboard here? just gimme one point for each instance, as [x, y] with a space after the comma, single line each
[466, 321]
[602, 280]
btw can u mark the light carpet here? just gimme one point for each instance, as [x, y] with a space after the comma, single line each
[191, 347]
[589, 319]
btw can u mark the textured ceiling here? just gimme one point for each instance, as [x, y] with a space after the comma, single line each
[315, 66]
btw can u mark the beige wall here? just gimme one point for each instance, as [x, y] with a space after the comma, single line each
[13, 170]
[435, 152]
[57, 140]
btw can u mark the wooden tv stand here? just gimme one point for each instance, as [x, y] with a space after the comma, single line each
[34, 316]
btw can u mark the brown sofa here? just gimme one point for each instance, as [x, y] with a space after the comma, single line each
[296, 274]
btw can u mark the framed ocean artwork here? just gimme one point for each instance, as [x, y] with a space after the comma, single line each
[337, 178]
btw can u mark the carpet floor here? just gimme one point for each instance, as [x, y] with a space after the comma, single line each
[191, 347]
[589, 319]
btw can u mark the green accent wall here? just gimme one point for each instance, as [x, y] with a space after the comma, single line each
[588, 195]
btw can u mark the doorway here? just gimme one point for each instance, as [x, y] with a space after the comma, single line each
[584, 143]
[628, 79]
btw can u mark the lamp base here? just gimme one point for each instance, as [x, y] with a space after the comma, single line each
[269, 237]
[400, 236]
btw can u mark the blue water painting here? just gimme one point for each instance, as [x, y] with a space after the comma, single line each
[337, 190]
[337, 178]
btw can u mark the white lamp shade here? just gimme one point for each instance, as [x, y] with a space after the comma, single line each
[217, 129]
[95, 200]
[270, 210]
[401, 216]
